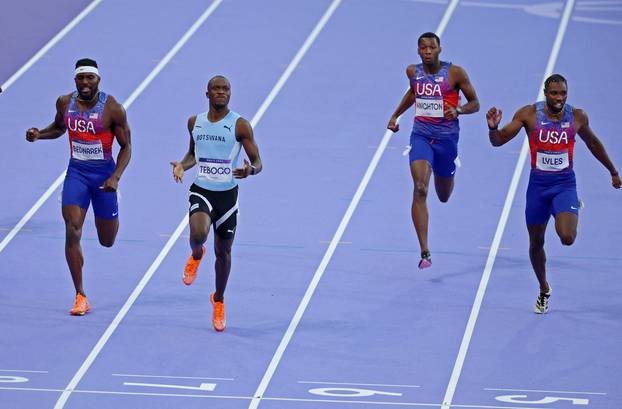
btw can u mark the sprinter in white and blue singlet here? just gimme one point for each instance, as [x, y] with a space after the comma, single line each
[216, 137]
[435, 88]
[551, 127]
[93, 120]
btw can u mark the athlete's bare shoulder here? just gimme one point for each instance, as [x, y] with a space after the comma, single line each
[62, 102]
[410, 70]
[191, 121]
[580, 118]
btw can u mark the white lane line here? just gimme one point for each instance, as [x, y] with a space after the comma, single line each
[542, 391]
[182, 225]
[22, 370]
[130, 301]
[359, 384]
[319, 272]
[284, 399]
[520, 164]
[128, 102]
[49, 45]
[171, 377]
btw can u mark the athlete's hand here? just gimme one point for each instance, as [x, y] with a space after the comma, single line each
[32, 134]
[450, 113]
[244, 171]
[178, 171]
[616, 181]
[493, 117]
[393, 125]
[111, 184]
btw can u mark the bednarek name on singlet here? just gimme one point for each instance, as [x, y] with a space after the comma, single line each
[552, 142]
[88, 139]
[216, 151]
[433, 93]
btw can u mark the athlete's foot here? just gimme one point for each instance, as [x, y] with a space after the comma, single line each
[218, 316]
[542, 302]
[81, 306]
[192, 266]
[426, 259]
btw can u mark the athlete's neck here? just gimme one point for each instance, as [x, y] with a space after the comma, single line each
[556, 116]
[88, 102]
[216, 114]
[433, 68]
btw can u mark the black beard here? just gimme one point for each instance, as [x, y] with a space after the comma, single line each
[91, 99]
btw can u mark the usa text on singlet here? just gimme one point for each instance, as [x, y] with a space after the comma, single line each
[88, 139]
[433, 93]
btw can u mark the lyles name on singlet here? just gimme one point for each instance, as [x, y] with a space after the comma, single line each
[552, 142]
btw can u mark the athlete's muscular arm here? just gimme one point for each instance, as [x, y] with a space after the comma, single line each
[595, 145]
[501, 136]
[244, 135]
[462, 83]
[407, 101]
[56, 128]
[189, 160]
[121, 130]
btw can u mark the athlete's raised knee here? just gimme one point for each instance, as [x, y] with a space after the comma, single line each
[421, 189]
[567, 239]
[107, 241]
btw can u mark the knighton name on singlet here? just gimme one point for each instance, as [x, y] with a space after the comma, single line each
[211, 138]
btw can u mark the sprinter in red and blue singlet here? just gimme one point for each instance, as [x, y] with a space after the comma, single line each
[434, 89]
[93, 120]
[551, 127]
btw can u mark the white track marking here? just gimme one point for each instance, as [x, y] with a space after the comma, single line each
[541, 391]
[182, 225]
[49, 45]
[132, 298]
[358, 384]
[520, 164]
[5, 241]
[171, 377]
[319, 272]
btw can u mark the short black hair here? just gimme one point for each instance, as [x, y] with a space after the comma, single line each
[86, 62]
[209, 83]
[429, 35]
[554, 78]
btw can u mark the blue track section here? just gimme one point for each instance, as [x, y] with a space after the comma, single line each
[377, 332]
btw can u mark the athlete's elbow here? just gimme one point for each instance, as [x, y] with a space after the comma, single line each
[495, 142]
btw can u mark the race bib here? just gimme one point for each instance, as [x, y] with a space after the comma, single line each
[552, 162]
[431, 108]
[82, 150]
[215, 170]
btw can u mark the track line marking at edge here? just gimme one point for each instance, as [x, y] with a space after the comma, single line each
[8, 84]
[143, 282]
[182, 225]
[49, 45]
[477, 303]
[319, 272]
[128, 102]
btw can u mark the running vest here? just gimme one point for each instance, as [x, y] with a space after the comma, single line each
[552, 142]
[216, 151]
[432, 94]
[88, 139]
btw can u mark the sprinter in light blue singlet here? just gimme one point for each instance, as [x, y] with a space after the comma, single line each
[216, 137]
[216, 151]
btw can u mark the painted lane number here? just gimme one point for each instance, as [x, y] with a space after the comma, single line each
[545, 400]
[350, 392]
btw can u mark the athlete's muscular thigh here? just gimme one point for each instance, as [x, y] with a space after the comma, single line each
[107, 230]
[566, 227]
